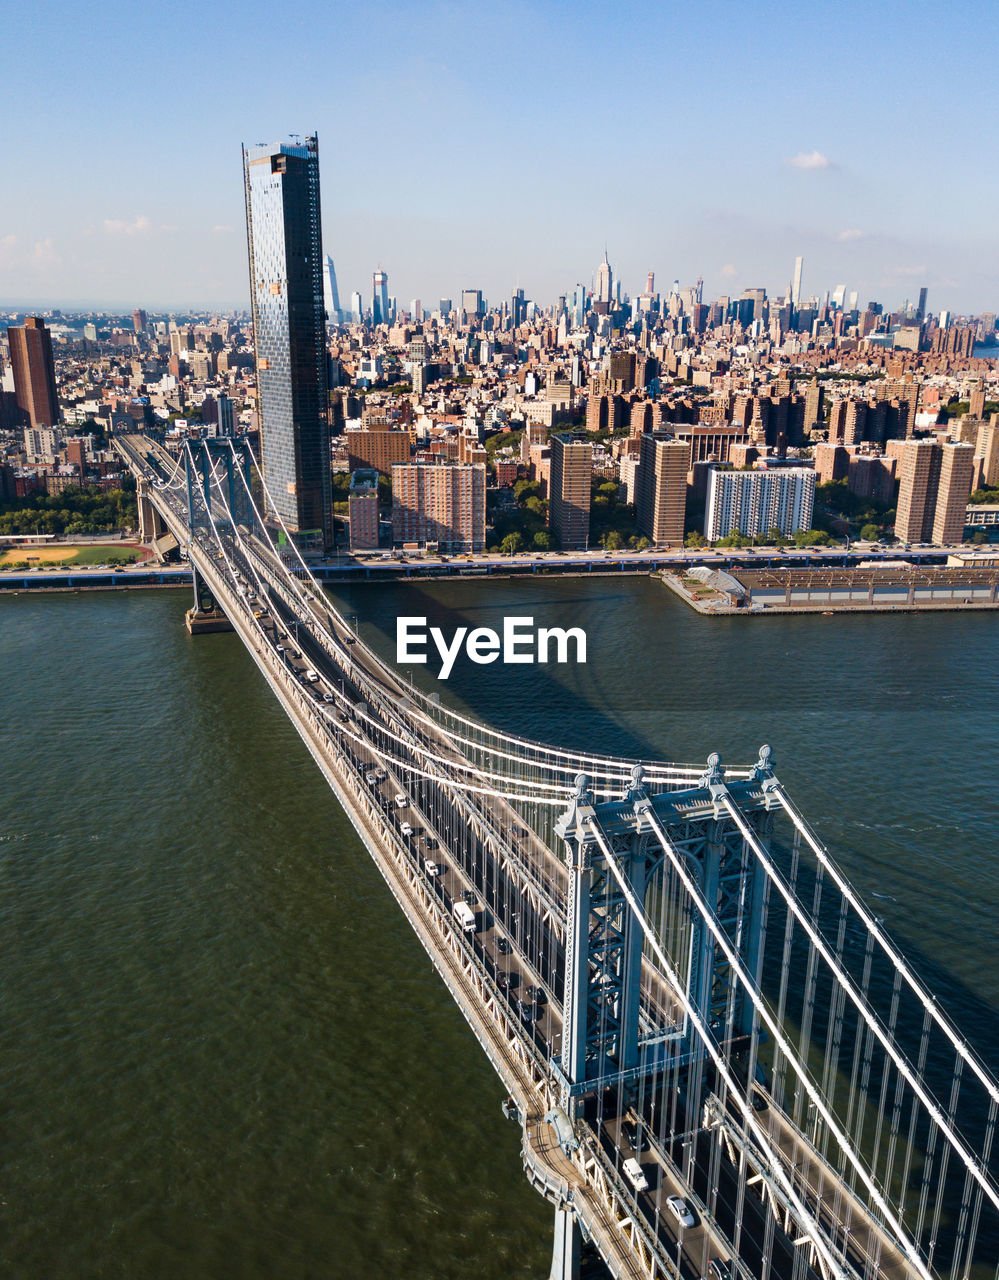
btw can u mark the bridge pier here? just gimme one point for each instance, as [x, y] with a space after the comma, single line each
[206, 616]
[566, 1250]
[151, 524]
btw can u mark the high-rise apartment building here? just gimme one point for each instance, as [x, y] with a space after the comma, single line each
[754, 502]
[661, 489]
[935, 481]
[956, 470]
[34, 373]
[139, 320]
[289, 330]
[987, 454]
[569, 491]
[362, 509]
[919, 477]
[379, 449]
[443, 503]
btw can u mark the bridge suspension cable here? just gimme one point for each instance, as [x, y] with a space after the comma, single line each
[510, 747]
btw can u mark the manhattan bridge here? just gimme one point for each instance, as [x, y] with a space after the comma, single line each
[718, 1062]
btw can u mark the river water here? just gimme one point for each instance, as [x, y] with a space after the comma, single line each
[224, 1052]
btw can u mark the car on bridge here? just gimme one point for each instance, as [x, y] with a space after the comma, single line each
[503, 946]
[634, 1136]
[327, 697]
[406, 830]
[527, 1012]
[465, 916]
[431, 868]
[401, 799]
[718, 1269]
[370, 778]
[680, 1210]
[633, 1172]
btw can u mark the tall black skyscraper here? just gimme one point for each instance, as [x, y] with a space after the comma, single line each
[289, 326]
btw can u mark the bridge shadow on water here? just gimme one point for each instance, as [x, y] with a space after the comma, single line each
[573, 707]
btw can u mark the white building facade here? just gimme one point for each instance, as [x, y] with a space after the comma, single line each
[754, 502]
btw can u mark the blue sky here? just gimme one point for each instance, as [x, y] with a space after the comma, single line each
[503, 144]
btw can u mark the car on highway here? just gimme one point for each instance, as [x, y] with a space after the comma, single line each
[503, 946]
[678, 1208]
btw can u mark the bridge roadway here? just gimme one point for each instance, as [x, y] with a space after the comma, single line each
[519, 902]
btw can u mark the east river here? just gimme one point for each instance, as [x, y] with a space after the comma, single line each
[224, 1054]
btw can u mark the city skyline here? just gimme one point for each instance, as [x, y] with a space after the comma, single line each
[732, 148]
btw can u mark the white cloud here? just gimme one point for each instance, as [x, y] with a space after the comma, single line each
[119, 227]
[44, 252]
[810, 160]
[906, 271]
[727, 271]
[223, 230]
[850, 234]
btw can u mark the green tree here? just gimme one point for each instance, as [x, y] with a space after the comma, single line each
[811, 538]
[870, 533]
[613, 541]
[511, 544]
[695, 539]
[542, 541]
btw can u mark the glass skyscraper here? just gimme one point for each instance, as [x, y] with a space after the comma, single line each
[289, 326]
